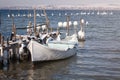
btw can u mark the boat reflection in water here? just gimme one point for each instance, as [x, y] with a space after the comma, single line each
[81, 44]
[37, 70]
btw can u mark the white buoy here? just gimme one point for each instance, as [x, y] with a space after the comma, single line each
[77, 14]
[87, 23]
[60, 24]
[111, 13]
[12, 15]
[8, 15]
[98, 13]
[29, 15]
[82, 21]
[64, 24]
[75, 23]
[24, 15]
[59, 14]
[52, 14]
[38, 15]
[65, 14]
[88, 13]
[92, 13]
[18, 15]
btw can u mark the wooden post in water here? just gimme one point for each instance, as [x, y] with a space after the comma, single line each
[34, 21]
[1, 50]
[0, 38]
[2, 46]
[6, 53]
[0, 19]
[14, 31]
[68, 19]
[12, 21]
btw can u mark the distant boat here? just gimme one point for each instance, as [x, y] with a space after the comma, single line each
[29, 15]
[24, 15]
[65, 14]
[98, 13]
[111, 13]
[52, 14]
[12, 15]
[18, 15]
[38, 14]
[42, 15]
[77, 14]
[59, 14]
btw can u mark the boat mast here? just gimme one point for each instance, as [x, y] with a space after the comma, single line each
[47, 20]
[13, 28]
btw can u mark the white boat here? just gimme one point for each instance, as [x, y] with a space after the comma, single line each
[54, 50]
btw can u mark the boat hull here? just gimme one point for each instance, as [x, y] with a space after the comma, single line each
[40, 52]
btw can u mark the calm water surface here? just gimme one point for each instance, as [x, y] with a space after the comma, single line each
[98, 58]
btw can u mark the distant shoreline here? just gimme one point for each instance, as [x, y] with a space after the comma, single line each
[61, 8]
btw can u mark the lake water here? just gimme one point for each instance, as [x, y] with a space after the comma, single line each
[98, 58]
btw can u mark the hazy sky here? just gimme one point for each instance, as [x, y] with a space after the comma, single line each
[7, 3]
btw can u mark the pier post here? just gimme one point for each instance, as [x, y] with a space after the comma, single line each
[68, 19]
[1, 46]
[17, 51]
[0, 38]
[6, 53]
[35, 21]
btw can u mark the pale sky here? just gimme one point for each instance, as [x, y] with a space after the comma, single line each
[9, 3]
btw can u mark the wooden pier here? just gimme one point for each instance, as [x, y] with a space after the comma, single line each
[9, 50]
